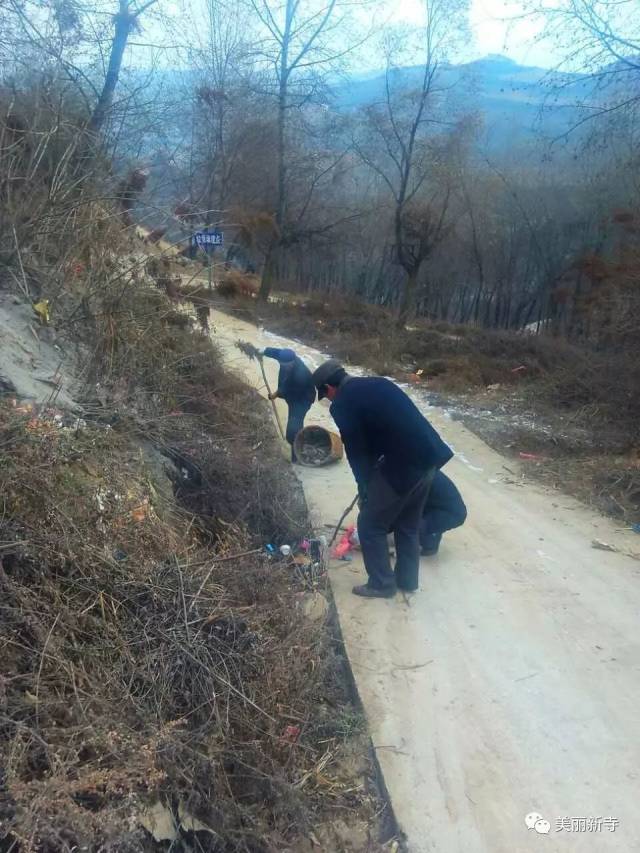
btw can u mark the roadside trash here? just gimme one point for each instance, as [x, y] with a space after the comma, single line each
[534, 456]
[316, 446]
[316, 547]
[25, 409]
[101, 496]
[599, 545]
[285, 550]
[496, 386]
[42, 310]
[290, 734]
[349, 540]
[141, 512]
[520, 369]
[270, 549]
[158, 820]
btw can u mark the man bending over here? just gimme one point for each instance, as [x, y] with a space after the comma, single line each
[295, 387]
[394, 454]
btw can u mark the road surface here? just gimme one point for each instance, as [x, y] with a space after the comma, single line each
[510, 683]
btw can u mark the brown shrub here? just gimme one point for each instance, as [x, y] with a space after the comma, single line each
[232, 283]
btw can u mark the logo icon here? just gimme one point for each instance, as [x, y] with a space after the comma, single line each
[535, 821]
[531, 819]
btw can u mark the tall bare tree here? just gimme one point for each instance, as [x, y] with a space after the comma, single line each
[223, 103]
[303, 39]
[400, 142]
[125, 21]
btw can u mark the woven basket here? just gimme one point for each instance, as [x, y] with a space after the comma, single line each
[316, 446]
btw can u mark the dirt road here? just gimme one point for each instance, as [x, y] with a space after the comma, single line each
[510, 684]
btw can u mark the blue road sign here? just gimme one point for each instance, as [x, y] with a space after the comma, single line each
[209, 239]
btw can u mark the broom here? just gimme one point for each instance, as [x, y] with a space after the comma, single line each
[252, 352]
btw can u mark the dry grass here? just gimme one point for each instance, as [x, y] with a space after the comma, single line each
[141, 661]
[465, 358]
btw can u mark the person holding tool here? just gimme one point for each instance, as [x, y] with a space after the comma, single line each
[394, 454]
[444, 510]
[295, 386]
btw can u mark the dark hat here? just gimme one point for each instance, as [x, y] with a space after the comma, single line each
[324, 373]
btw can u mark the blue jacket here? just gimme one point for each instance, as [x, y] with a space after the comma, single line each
[295, 382]
[380, 425]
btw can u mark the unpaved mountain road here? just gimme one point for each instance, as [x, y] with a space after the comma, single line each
[510, 683]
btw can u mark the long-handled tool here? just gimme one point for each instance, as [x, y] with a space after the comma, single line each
[342, 518]
[253, 352]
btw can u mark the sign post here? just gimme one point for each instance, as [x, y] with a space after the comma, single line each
[207, 240]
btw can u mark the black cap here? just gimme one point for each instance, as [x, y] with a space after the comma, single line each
[323, 374]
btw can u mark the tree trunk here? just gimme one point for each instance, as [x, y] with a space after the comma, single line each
[268, 274]
[123, 25]
[408, 298]
[283, 96]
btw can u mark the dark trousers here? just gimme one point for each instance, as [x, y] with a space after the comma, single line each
[386, 511]
[297, 413]
[444, 509]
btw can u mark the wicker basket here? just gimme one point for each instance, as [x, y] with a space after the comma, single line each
[316, 446]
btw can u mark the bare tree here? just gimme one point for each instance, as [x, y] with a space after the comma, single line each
[600, 40]
[125, 21]
[400, 144]
[222, 102]
[55, 34]
[302, 40]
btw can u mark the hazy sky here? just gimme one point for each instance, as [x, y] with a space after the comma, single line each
[495, 28]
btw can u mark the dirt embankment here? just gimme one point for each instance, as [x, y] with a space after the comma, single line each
[165, 683]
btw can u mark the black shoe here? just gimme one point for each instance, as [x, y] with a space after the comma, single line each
[367, 591]
[430, 544]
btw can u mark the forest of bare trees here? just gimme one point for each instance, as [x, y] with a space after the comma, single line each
[229, 107]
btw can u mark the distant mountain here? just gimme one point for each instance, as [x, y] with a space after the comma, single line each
[516, 102]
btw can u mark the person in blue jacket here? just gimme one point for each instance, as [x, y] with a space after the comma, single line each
[295, 386]
[394, 454]
[444, 510]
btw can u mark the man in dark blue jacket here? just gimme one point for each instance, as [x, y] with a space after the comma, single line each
[295, 386]
[444, 510]
[394, 453]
